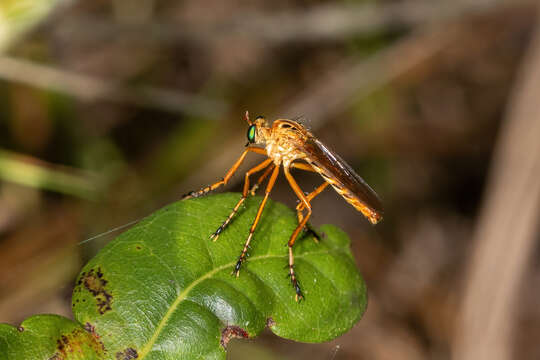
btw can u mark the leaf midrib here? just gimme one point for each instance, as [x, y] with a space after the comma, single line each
[146, 349]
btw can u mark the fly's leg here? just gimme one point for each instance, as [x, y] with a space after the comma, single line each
[304, 218]
[300, 207]
[245, 194]
[310, 196]
[303, 166]
[227, 177]
[256, 186]
[269, 187]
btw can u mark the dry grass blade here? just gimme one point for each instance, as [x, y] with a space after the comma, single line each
[507, 225]
[329, 22]
[29, 171]
[90, 89]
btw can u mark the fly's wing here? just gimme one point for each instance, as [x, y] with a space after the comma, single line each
[343, 179]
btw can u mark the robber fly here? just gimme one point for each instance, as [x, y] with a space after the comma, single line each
[289, 144]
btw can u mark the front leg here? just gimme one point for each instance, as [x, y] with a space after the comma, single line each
[227, 177]
[269, 187]
[245, 194]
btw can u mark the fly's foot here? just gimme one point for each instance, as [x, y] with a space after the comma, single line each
[309, 230]
[299, 295]
[237, 267]
[216, 233]
[189, 195]
[296, 285]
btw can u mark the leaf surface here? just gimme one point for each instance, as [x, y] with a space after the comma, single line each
[164, 290]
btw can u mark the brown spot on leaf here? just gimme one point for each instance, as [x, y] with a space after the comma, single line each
[95, 283]
[92, 330]
[80, 279]
[128, 354]
[75, 343]
[230, 332]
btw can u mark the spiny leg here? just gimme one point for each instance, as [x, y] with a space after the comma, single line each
[227, 177]
[300, 207]
[303, 166]
[269, 187]
[295, 233]
[245, 193]
[260, 180]
[310, 197]
[317, 191]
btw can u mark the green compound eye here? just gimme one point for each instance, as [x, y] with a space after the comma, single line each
[251, 133]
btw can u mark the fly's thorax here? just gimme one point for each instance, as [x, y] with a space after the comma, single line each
[283, 140]
[274, 151]
[283, 149]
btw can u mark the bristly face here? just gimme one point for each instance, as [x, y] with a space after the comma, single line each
[255, 132]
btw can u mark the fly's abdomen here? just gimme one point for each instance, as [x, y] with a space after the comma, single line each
[372, 213]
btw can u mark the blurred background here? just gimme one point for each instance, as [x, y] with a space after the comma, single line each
[111, 109]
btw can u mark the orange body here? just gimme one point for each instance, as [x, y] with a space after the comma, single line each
[287, 140]
[289, 144]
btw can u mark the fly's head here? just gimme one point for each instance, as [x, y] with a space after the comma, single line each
[258, 130]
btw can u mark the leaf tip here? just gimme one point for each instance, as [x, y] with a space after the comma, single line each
[270, 322]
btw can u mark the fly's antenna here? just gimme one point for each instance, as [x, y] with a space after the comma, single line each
[110, 231]
[246, 117]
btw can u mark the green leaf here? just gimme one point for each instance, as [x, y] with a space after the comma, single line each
[49, 337]
[163, 290]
